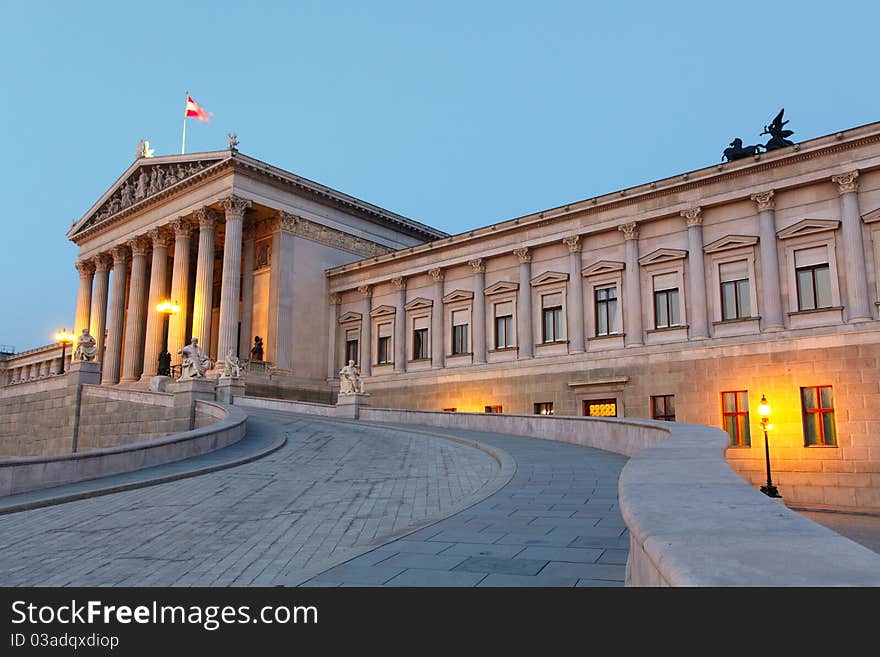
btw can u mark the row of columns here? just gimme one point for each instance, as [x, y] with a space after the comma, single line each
[858, 301]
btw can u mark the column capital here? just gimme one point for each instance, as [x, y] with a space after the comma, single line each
[630, 231]
[765, 200]
[102, 262]
[160, 238]
[235, 206]
[477, 265]
[181, 227]
[693, 216]
[85, 268]
[847, 182]
[140, 246]
[334, 298]
[436, 274]
[207, 217]
[399, 282]
[523, 255]
[366, 290]
[573, 243]
[119, 254]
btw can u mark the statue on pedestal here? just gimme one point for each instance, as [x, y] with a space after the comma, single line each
[164, 367]
[195, 361]
[350, 381]
[230, 368]
[777, 134]
[257, 349]
[86, 347]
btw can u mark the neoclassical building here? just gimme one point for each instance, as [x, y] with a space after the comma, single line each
[682, 299]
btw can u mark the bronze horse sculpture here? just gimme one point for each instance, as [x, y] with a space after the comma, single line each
[738, 151]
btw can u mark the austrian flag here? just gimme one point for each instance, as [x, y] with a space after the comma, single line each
[194, 110]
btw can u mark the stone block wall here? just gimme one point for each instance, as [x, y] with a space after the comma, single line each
[34, 418]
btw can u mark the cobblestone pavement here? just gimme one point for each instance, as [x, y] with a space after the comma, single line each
[556, 523]
[860, 528]
[331, 491]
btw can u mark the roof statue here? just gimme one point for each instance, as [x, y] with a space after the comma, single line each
[232, 141]
[737, 151]
[143, 149]
[777, 134]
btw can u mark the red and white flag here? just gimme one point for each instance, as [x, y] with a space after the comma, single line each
[196, 111]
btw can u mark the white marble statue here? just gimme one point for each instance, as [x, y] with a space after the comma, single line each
[86, 347]
[230, 367]
[195, 362]
[350, 382]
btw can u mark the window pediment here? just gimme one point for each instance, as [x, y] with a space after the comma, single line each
[419, 303]
[383, 311]
[662, 255]
[603, 267]
[549, 277]
[458, 295]
[350, 317]
[808, 227]
[873, 215]
[501, 287]
[730, 242]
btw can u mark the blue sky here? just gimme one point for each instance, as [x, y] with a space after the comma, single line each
[458, 114]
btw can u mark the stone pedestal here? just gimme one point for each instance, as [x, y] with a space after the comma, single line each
[84, 371]
[186, 393]
[229, 388]
[349, 406]
[160, 383]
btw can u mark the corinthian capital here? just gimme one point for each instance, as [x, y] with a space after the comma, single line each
[764, 200]
[140, 246]
[399, 282]
[334, 298]
[436, 274]
[630, 231]
[573, 243]
[477, 265]
[85, 268]
[207, 218]
[693, 216]
[366, 290]
[102, 262]
[181, 227]
[523, 255]
[235, 206]
[847, 182]
[160, 238]
[119, 254]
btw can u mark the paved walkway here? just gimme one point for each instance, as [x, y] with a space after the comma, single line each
[556, 523]
[863, 529]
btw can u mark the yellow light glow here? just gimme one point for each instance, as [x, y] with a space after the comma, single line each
[63, 336]
[168, 307]
[764, 407]
[769, 427]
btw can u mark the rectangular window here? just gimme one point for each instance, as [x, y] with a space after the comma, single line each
[420, 338]
[493, 409]
[663, 407]
[383, 347]
[460, 320]
[735, 414]
[606, 310]
[600, 407]
[820, 427]
[666, 308]
[351, 345]
[735, 300]
[504, 325]
[544, 408]
[551, 314]
[814, 287]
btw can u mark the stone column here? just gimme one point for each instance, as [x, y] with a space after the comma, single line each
[279, 336]
[478, 340]
[366, 355]
[698, 319]
[771, 297]
[438, 347]
[98, 319]
[632, 307]
[231, 282]
[249, 257]
[84, 299]
[576, 342]
[158, 289]
[179, 287]
[135, 320]
[400, 325]
[204, 292]
[858, 303]
[524, 339]
[115, 316]
[335, 301]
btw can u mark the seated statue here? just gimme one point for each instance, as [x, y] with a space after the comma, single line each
[195, 361]
[230, 367]
[350, 381]
[86, 347]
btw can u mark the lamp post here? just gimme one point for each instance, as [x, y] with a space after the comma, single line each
[764, 411]
[166, 308]
[64, 337]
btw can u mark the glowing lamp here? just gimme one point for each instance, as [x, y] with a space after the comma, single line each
[168, 307]
[764, 411]
[764, 407]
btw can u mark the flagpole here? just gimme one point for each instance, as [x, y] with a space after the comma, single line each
[183, 143]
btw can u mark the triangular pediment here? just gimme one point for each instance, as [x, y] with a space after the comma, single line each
[458, 295]
[808, 227]
[419, 303]
[662, 255]
[350, 317]
[549, 277]
[501, 286]
[603, 267]
[382, 311]
[146, 179]
[873, 215]
[730, 242]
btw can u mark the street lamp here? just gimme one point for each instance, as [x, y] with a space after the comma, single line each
[65, 338]
[764, 411]
[166, 308]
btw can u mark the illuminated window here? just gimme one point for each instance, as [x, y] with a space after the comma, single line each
[460, 321]
[351, 345]
[544, 408]
[551, 315]
[383, 347]
[820, 428]
[735, 302]
[600, 407]
[606, 311]
[663, 407]
[420, 338]
[493, 409]
[735, 413]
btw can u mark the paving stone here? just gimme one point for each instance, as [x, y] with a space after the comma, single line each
[432, 561]
[483, 550]
[572, 555]
[540, 580]
[496, 565]
[585, 571]
[422, 577]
